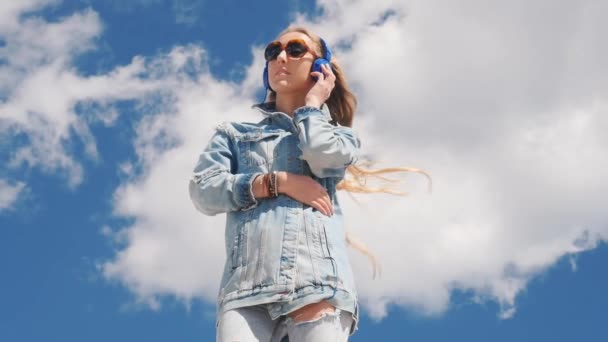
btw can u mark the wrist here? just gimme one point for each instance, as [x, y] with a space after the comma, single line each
[282, 181]
[260, 187]
[313, 102]
[267, 186]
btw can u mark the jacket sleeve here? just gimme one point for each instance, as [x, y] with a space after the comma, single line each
[328, 149]
[214, 187]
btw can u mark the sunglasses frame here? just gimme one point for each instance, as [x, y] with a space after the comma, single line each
[285, 47]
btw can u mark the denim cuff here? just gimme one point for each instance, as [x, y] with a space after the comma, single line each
[243, 190]
[305, 112]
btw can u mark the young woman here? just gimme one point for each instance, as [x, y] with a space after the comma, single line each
[287, 275]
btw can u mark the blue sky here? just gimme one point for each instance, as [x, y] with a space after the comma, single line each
[103, 106]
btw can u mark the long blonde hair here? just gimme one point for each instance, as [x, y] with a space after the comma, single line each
[342, 104]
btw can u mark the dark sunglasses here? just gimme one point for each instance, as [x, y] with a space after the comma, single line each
[295, 48]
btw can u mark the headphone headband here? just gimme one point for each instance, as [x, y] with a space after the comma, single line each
[326, 50]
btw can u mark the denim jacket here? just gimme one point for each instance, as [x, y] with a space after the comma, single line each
[279, 251]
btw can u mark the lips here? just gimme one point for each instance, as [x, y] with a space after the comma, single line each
[282, 72]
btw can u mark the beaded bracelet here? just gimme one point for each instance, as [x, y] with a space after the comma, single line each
[276, 184]
[273, 189]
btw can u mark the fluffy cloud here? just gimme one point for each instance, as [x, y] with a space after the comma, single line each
[172, 249]
[501, 103]
[186, 12]
[504, 106]
[40, 91]
[9, 193]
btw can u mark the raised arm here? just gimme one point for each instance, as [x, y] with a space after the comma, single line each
[328, 149]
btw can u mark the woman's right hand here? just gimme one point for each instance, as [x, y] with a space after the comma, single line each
[306, 190]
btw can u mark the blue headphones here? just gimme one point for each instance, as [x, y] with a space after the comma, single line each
[316, 65]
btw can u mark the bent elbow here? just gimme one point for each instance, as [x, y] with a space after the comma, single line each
[325, 165]
[326, 172]
[199, 201]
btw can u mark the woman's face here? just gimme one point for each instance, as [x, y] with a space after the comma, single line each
[288, 74]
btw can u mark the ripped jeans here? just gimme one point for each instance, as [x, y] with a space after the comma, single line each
[253, 323]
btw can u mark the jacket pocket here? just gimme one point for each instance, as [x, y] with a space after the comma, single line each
[320, 235]
[257, 148]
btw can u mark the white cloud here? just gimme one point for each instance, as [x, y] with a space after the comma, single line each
[186, 12]
[40, 89]
[501, 103]
[504, 106]
[172, 249]
[9, 193]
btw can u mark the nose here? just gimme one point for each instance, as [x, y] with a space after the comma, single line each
[282, 57]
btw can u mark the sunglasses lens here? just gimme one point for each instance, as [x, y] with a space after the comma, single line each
[296, 49]
[272, 51]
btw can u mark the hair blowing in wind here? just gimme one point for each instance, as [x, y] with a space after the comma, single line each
[342, 104]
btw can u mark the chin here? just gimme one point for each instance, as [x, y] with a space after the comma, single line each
[284, 86]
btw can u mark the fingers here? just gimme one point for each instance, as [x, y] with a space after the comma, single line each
[323, 204]
[325, 74]
[329, 74]
[318, 75]
[329, 205]
[311, 192]
[324, 85]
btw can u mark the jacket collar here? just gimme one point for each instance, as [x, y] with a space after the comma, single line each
[282, 119]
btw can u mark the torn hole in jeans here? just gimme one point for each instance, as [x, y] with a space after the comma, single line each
[335, 313]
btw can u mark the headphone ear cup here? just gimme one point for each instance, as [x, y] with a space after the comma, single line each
[316, 66]
[265, 76]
